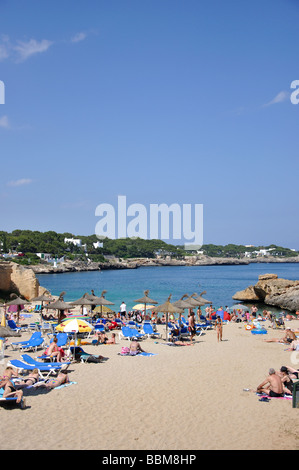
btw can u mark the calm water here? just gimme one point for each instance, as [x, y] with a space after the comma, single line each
[219, 282]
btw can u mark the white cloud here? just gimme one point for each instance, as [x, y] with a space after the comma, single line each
[78, 37]
[20, 182]
[279, 98]
[4, 122]
[29, 48]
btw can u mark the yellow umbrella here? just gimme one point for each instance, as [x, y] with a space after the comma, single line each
[102, 309]
[75, 325]
[3, 323]
[141, 307]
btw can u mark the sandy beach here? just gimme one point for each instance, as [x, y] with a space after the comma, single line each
[183, 398]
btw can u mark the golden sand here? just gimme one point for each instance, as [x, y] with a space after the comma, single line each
[183, 398]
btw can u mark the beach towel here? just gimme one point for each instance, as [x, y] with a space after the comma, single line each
[64, 385]
[285, 397]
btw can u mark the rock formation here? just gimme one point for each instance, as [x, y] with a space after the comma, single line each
[273, 291]
[18, 279]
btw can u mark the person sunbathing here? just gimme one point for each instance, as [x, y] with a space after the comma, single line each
[9, 390]
[135, 347]
[31, 379]
[288, 338]
[103, 339]
[62, 378]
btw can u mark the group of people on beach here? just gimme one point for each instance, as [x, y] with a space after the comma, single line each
[278, 383]
[11, 384]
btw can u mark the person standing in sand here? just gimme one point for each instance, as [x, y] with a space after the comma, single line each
[191, 326]
[218, 328]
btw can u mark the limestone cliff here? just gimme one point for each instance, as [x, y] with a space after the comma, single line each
[18, 279]
[272, 291]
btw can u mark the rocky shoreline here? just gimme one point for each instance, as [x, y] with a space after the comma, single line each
[134, 263]
[272, 291]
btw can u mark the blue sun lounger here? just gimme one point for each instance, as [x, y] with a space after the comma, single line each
[22, 366]
[51, 365]
[22, 344]
[130, 333]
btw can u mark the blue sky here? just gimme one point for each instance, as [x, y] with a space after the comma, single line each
[163, 101]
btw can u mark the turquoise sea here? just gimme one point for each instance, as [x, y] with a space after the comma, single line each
[219, 282]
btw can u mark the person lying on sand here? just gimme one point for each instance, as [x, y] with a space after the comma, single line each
[62, 378]
[176, 342]
[31, 379]
[288, 338]
[272, 385]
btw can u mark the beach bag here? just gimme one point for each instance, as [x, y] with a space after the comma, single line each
[125, 351]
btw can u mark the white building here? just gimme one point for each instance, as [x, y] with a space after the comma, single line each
[74, 241]
[98, 245]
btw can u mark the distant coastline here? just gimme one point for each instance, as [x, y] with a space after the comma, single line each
[134, 263]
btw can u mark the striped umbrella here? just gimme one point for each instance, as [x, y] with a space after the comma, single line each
[74, 325]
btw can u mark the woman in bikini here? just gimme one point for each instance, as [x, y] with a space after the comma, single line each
[61, 379]
[31, 379]
[218, 327]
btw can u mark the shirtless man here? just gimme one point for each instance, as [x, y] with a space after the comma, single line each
[272, 385]
[192, 328]
[288, 338]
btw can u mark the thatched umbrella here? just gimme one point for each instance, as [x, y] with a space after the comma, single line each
[100, 300]
[42, 298]
[82, 301]
[167, 308]
[18, 301]
[195, 302]
[181, 303]
[59, 305]
[202, 299]
[6, 332]
[146, 300]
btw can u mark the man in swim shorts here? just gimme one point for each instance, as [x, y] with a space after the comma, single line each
[272, 385]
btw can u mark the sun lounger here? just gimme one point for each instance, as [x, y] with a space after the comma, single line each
[149, 331]
[18, 344]
[130, 333]
[12, 325]
[33, 362]
[10, 400]
[80, 355]
[22, 366]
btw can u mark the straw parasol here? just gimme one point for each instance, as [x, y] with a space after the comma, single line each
[59, 305]
[6, 332]
[195, 302]
[202, 299]
[145, 300]
[167, 308]
[100, 300]
[82, 301]
[181, 303]
[18, 301]
[42, 298]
